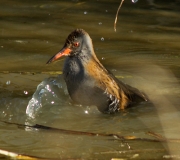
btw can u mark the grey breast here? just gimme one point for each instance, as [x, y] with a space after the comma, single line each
[82, 87]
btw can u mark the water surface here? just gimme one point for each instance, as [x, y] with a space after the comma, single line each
[144, 52]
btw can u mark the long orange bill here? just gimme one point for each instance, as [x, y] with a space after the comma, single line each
[61, 53]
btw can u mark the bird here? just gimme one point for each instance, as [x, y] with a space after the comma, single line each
[88, 81]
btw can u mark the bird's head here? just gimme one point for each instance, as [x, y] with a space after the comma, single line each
[78, 43]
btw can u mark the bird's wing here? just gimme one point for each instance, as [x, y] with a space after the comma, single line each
[108, 83]
[132, 93]
[117, 92]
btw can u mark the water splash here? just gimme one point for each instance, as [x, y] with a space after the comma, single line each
[25, 92]
[46, 93]
[8, 82]
[134, 1]
[102, 38]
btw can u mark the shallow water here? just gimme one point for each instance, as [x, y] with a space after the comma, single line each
[144, 52]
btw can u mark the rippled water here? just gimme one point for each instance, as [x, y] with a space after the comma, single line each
[144, 52]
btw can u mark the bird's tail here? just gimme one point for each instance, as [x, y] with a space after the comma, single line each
[135, 95]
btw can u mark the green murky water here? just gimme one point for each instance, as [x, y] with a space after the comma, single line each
[144, 52]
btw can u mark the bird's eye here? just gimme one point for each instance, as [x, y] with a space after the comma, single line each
[76, 44]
